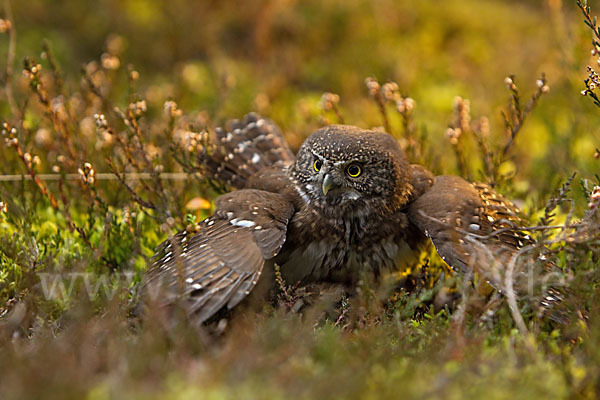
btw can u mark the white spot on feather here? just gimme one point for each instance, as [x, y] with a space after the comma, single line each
[352, 195]
[242, 146]
[255, 158]
[243, 223]
[302, 194]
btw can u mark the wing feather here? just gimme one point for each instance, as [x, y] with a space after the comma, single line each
[221, 262]
[453, 213]
[475, 228]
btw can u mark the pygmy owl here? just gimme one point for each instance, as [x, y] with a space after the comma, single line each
[348, 203]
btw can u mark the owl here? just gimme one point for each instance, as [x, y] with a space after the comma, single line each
[348, 204]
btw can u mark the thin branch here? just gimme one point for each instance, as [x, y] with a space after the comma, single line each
[511, 297]
[375, 92]
[132, 192]
[517, 116]
[172, 176]
[589, 20]
[502, 230]
[10, 60]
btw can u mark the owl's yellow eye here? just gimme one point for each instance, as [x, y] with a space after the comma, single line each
[353, 170]
[317, 165]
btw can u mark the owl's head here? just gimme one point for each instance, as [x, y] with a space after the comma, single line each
[344, 170]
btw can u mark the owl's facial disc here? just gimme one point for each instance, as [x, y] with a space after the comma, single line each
[343, 171]
[333, 184]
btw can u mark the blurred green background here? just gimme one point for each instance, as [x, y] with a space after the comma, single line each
[277, 57]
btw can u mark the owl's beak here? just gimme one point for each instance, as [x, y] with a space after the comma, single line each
[328, 184]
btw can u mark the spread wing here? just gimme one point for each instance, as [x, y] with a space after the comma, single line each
[245, 148]
[221, 262]
[470, 224]
[475, 228]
